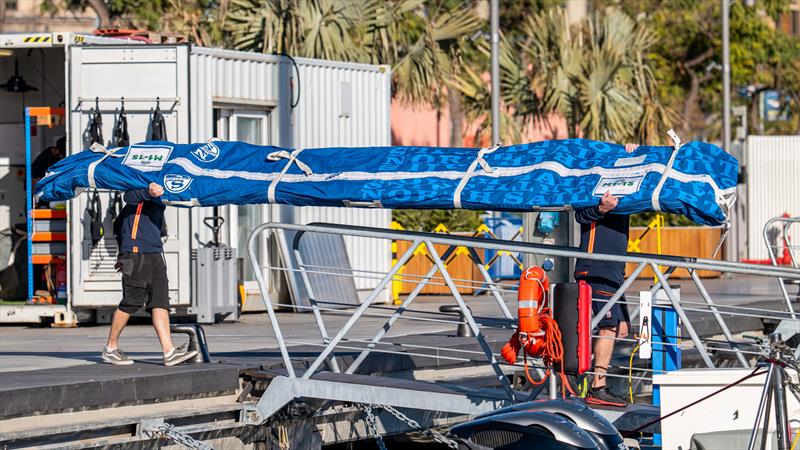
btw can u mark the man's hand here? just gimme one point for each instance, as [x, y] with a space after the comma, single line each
[629, 148]
[607, 203]
[155, 190]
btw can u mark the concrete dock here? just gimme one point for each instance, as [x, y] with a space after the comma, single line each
[56, 374]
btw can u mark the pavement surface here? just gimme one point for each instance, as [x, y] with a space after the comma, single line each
[38, 348]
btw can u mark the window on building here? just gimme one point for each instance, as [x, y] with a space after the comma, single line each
[11, 5]
[796, 23]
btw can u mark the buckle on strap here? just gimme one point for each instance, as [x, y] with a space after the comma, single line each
[471, 169]
[292, 157]
[676, 145]
[99, 148]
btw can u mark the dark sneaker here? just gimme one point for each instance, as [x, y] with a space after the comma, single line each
[115, 357]
[603, 396]
[178, 355]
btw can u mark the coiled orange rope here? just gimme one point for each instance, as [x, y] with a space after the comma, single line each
[552, 352]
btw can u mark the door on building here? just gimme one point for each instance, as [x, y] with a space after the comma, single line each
[251, 126]
[100, 79]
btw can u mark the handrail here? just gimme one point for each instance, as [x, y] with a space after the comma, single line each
[452, 242]
[551, 250]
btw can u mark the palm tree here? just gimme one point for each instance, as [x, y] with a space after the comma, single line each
[593, 74]
[311, 28]
[420, 39]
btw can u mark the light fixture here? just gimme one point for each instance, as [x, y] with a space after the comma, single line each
[16, 83]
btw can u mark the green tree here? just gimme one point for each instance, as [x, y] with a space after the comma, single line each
[594, 74]
[687, 57]
[200, 20]
[454, 219]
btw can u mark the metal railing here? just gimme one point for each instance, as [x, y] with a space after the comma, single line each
[393, 313]
[785, 224]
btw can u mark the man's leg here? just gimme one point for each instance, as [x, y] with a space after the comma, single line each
[134, 293]
[161, 324]
[603, 349]
[118, 322]
[159, 308]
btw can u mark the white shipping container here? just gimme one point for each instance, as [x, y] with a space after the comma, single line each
[773, 186]
[205, 93]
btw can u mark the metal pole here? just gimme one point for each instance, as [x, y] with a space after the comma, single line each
[262, 286]
[726, 101]
[726, 76]
[617, 295]
[494, 18]
[682, 314]
[492, 287]
[29, 202]
[762, 404]
[398, 312]
[704, 293]
[360, 311]
[779, 391]
[487, 350]
[312, 298]
[781, 282]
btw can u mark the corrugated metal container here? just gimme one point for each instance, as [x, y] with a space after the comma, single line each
[345, 104]
[339, 104]
[773, 185]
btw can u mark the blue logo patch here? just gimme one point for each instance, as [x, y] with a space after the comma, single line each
[206, 153]
[177, 183]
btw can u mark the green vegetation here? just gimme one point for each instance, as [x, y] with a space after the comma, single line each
[687, 58]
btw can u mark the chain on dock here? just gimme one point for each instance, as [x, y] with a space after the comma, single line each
[373, 429]
[168, 431]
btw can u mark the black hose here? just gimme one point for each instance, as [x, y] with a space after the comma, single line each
[295, 101]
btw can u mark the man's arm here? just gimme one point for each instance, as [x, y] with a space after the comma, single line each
[585, 216]
[152, 193]
[591, 214]
[136, 196]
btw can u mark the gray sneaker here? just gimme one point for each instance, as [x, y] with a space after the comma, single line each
[178, 355]
[115, 357]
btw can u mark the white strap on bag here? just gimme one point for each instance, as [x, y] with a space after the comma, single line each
[470, 172]
[676, 145]
[187, 203]
[292, 157]
[99, 148]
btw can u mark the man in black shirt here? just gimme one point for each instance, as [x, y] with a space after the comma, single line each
[139, 229]
[604, 232]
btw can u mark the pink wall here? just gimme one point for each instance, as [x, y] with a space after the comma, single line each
[415, 125]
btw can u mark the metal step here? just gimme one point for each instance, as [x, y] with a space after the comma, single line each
[396, 392]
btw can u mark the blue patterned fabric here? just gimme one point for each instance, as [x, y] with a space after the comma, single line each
[547, 175]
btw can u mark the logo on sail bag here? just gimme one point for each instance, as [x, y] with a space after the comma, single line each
[176, 183]
[147, 158]
[618, 185]
[206, 153]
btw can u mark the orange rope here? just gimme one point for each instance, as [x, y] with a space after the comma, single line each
[552, 353]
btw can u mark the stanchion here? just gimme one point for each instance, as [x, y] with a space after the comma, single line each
[665, 338]
[774, 389]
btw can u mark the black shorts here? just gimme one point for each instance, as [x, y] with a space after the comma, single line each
[602, 291]
[144, 281]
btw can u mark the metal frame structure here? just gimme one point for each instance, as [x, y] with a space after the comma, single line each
[787, 222]
[345, 385]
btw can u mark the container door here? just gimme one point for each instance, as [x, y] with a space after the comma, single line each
[144, 77]
[253, 127]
